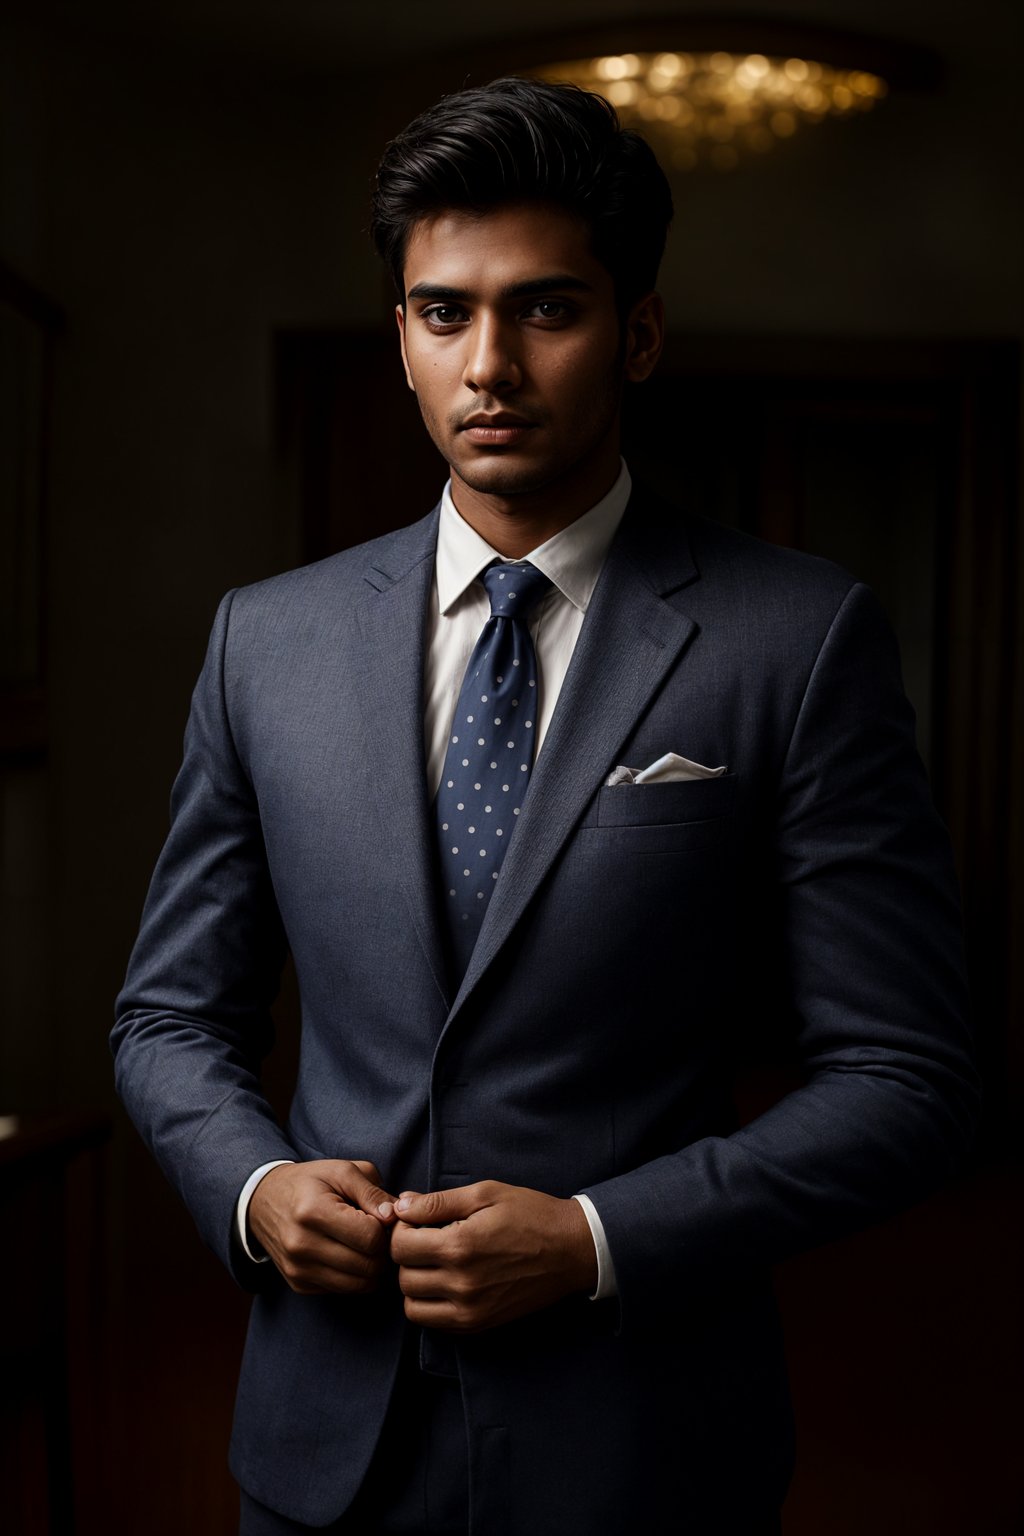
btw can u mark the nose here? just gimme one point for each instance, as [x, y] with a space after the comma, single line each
[492, 363]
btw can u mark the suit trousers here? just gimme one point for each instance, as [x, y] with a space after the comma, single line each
[418, 1478]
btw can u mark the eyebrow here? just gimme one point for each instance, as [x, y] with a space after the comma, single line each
[532, 287]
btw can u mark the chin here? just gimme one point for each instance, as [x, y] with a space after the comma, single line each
[504, 478]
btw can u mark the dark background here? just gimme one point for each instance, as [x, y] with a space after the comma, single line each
[183, 191]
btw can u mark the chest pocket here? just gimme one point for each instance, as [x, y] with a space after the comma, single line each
[692, 813]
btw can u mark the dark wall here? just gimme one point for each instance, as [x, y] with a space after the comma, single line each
[181, 210]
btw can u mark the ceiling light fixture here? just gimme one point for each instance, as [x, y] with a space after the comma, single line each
[709, 108]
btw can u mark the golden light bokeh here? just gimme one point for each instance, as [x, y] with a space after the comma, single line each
[710, 108]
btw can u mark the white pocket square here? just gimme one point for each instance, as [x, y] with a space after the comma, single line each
[670, 769]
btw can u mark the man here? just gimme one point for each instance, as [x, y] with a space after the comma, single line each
[554, 797]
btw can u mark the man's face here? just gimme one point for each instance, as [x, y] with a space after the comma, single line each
[513, 344]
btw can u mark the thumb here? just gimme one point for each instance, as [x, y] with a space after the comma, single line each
[354, 1180]
[438, 1207]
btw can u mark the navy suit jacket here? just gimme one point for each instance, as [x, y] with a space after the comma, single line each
[635, 935]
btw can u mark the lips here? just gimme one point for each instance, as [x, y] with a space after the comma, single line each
[499, 429]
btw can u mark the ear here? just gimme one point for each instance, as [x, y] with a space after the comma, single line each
[645, 337]
[400, 317]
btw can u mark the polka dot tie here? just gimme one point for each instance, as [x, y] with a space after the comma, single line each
[490, 752]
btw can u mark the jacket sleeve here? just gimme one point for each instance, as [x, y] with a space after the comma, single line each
[863, 900]
[193, 1020]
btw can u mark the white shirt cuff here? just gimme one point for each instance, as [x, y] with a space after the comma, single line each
[242, 1208]
[606, 1285]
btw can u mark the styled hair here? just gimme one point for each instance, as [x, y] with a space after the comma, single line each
[519, 140]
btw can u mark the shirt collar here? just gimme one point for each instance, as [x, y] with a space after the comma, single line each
[571, 560]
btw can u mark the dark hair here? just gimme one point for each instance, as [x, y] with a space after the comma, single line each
[526, 140]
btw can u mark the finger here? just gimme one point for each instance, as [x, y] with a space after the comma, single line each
[391, 1210]
[386, 1208]
[347, 1227]
[430, 1284]
[444, 1315]
[322, 1242]
[424, 1247]
[308, 1259]
[441, 1206]
[350, 1180]
[317, 1279]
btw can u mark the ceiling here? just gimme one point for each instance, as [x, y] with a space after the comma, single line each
[335, 36]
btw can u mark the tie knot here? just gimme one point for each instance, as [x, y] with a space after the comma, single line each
[514, 589]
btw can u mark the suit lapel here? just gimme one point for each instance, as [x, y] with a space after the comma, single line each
[631, 638]
[389, 696]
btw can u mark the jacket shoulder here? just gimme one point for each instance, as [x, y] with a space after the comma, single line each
[767, 571]
[342, 577]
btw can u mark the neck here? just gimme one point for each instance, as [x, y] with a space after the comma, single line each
[515, 524]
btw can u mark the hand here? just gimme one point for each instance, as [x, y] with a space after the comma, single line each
[484, 1254]
[322, 1224]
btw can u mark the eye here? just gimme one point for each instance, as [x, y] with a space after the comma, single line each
[549, 309]
[441, 316]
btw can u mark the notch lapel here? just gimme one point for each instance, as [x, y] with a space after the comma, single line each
[389, 697]
[630, 639]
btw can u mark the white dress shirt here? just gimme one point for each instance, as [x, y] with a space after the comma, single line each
[571, 561]
[459, 609]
